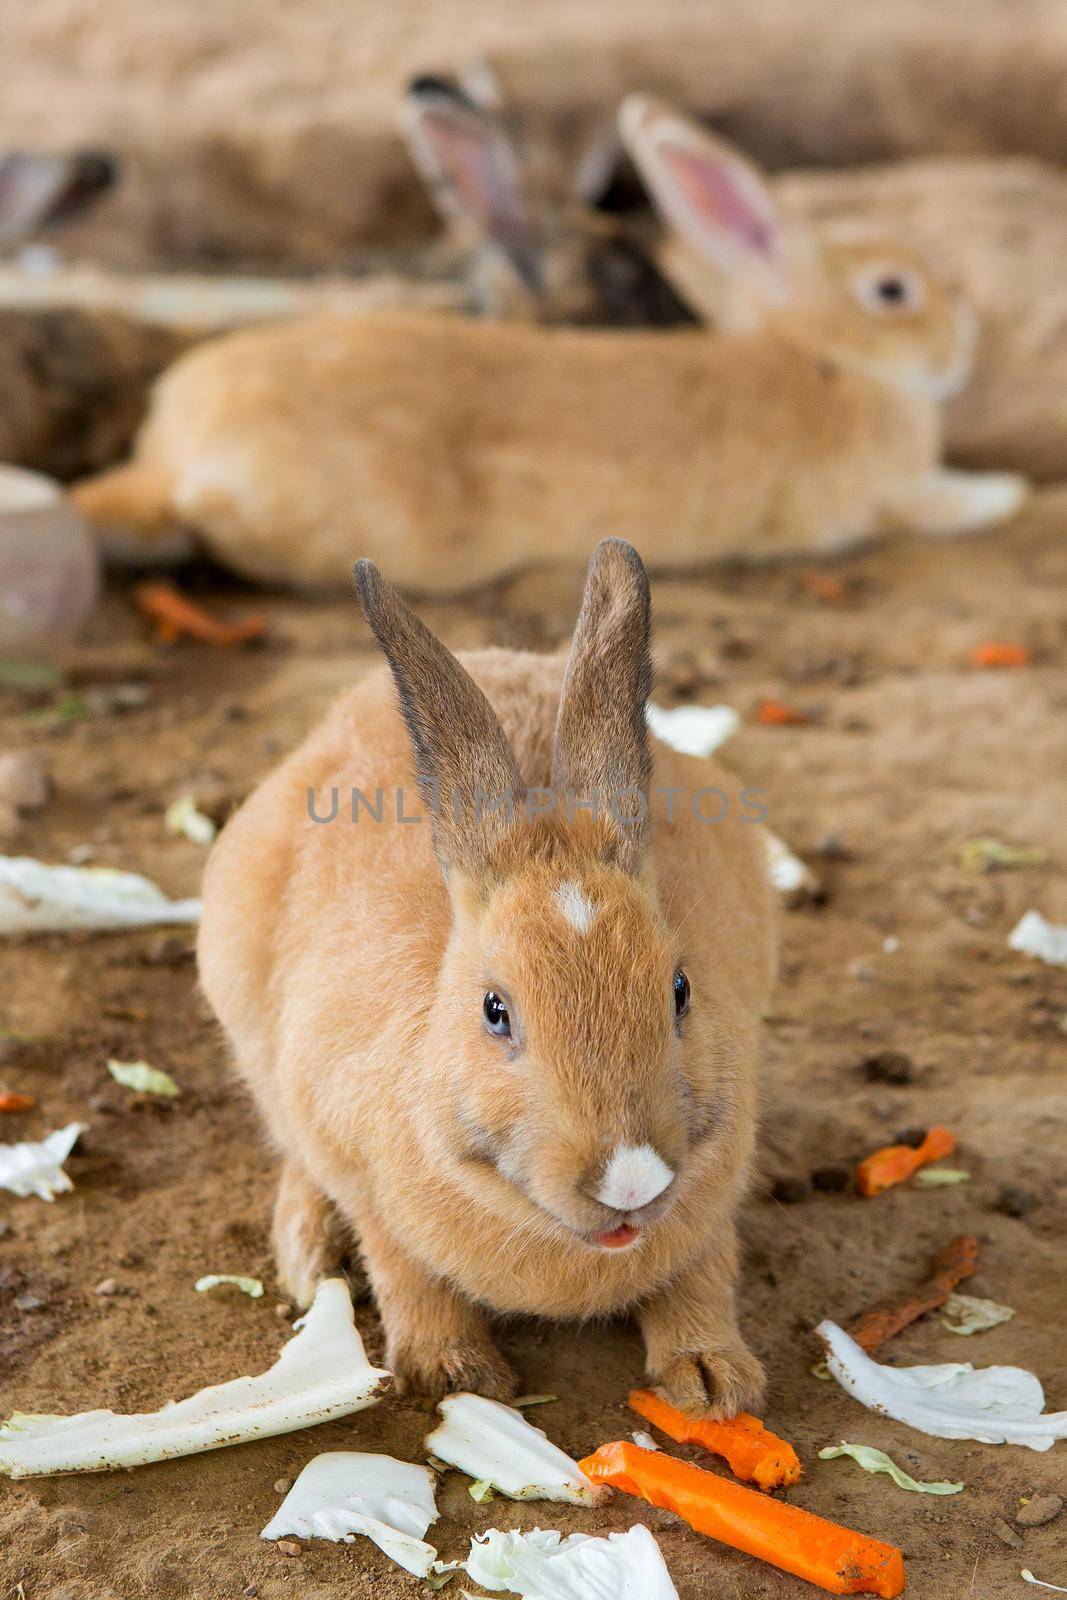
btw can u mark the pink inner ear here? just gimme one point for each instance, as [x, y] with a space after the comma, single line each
[717, 197]
[462, 156]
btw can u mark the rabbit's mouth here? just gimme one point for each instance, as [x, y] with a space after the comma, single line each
[618, 1238]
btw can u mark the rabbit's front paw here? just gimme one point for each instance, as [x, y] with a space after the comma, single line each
[713, 1383]
[435, 1369]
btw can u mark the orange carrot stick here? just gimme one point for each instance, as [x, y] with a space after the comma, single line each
[793, 1540]
[997, 653]
[174, 614]
[958, 1260]
[17, 1102]
[823, 586]
[775, 714]
[898, 1161]
[752, 1451]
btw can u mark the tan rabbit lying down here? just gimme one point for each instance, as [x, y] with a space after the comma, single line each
[511, 1049]
[458, 451]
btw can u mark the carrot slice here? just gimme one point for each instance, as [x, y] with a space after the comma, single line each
[898, 1161]
[835, 1558]
[775, 714]
[998, 653]
[17, 1102]
[958, 1260]
[752, 1451]
[823, 586]
[174, 615]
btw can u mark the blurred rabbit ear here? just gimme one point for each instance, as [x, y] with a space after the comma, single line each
[467, 773]
[601, 757]
[467, 161]
[37, 188]
[597, 167]
[715, 199]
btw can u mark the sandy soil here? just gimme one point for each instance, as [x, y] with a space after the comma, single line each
[909, 753]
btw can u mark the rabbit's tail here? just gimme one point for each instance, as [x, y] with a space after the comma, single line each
[130, 510]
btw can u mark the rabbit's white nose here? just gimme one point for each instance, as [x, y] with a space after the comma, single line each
[633, 1177]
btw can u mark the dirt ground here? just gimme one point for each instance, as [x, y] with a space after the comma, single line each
[909, 752]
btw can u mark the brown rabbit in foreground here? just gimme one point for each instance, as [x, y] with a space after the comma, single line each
[539, 250]
[458, 451]
[522, 1075]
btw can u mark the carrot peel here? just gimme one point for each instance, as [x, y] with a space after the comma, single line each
[958, 1260]
[751, 1450]
[835, 1558]
[174, 615]
[17, 1102]
[897, 1162]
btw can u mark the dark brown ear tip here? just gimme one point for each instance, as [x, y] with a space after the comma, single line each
[369, 585]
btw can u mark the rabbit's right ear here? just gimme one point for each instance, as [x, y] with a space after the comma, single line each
[708, 193]
[37, 188]
[467, 161]
[466, 770]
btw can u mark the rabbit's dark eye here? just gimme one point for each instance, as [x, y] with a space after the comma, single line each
[885, 290]
[681, 994]
[496, 1015]
[892, 291]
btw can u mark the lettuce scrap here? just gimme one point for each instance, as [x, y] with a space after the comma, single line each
[872, 1460]
[344, 1493]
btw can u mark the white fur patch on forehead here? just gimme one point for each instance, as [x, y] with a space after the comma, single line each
[576, 906]
[635, 1175]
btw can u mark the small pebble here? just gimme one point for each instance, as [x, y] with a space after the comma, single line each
[831, 848]
[1039, 1509]
[24, 781]
[282, 1485]
[1015, 1202]
[790, 1191]
[1005, 1532]
[290, 1547]
[107, 1287]
[912, 1137]
[29, 1302]
[889, 1066]
[830, 1180]
[283, 1310]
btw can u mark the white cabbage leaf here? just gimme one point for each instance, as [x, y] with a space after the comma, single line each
[346, 1492]
[1028, 1575]
[36, 1167]
[320, 1374]
[543, 1566]
[36, 898]
[968, 1313]
[995, 1405]
[872, 1460]
[693, 730]
[1047, 941]
[495, 1444]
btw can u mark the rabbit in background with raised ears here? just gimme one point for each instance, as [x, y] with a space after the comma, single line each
[511, 1050]
[540, 251]
[460, 451]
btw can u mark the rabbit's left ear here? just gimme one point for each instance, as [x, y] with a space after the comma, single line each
[37, 188]
[601, 759]
[468, 161]
[709, 194]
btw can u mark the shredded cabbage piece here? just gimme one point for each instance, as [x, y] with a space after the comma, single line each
[144, 1079]
[36, 898]
[939, 1177]
[320, 1374]
[253, 1287]
[995, 1405]
[1046, 941]
[182, 816]
[872, 1460]
[644, 1441]
[967, 1314]
[495, 1443]
[542, 1566]
[344, 1493]
[36, 1166]
[693, 730]
[1028, 1575]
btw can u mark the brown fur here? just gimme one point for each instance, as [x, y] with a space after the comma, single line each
[349, 973]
